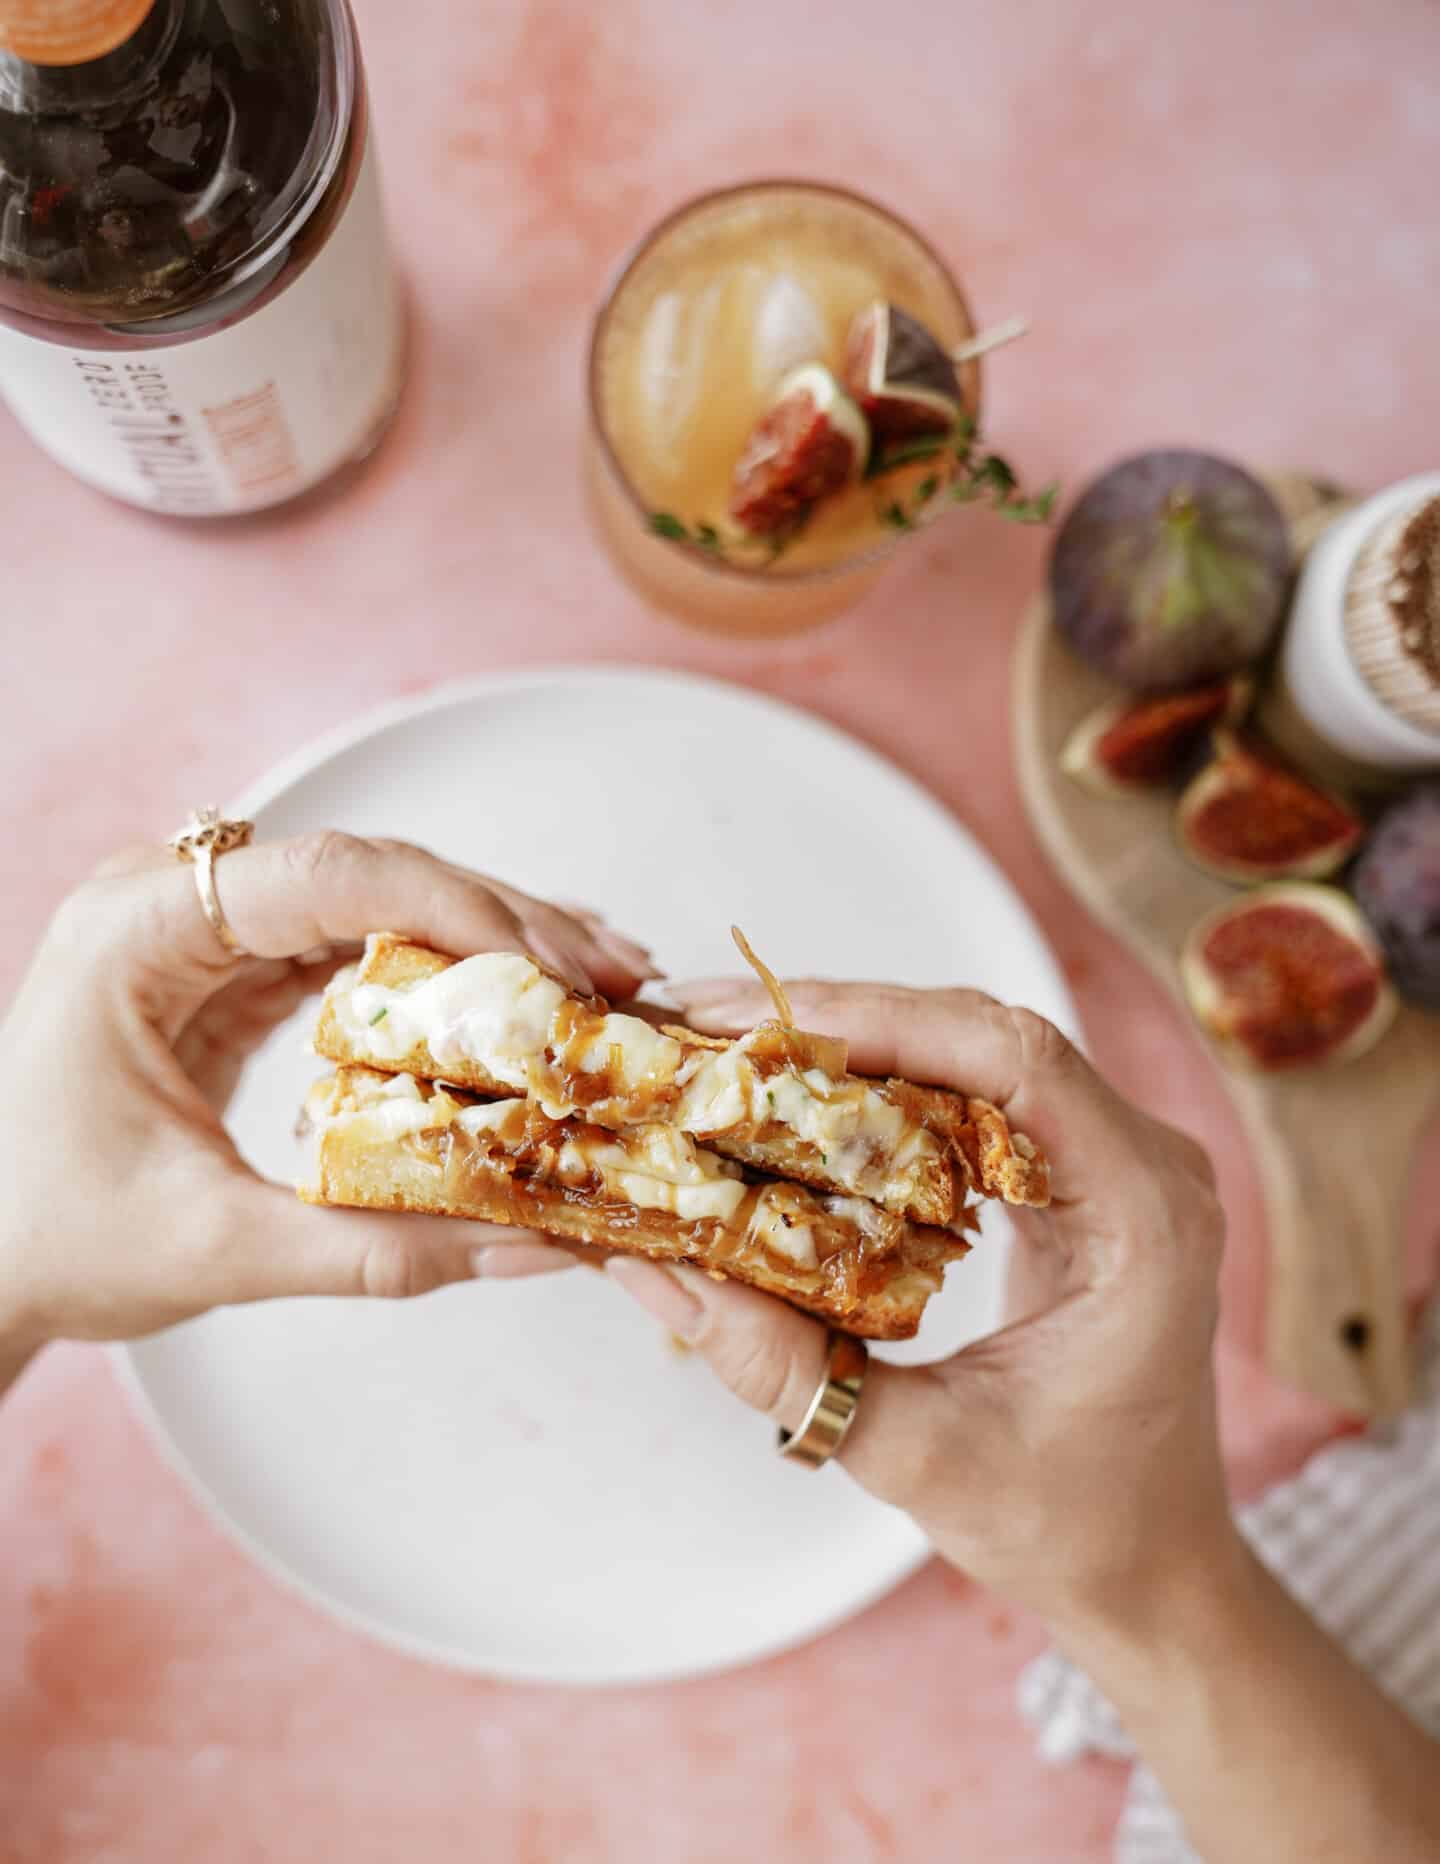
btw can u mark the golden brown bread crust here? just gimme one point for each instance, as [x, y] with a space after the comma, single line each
[1000, 1162]
[976, 1151]
[442, 1171]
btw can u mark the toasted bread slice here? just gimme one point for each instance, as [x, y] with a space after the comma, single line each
[395, 1143]
[777, 1099]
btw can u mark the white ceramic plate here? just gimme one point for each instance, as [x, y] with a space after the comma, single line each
[527, 1479]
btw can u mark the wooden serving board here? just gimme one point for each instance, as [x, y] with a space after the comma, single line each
[1334, 1145]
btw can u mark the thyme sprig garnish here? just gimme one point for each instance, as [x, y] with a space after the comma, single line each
[965, 474]
[970, 474]
[764, 550]
[703, 536]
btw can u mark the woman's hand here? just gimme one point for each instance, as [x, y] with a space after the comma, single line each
[126, 1206]
[1072, 1458]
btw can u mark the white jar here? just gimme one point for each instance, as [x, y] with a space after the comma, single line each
[1346, 670]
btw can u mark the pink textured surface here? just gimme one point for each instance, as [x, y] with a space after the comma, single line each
[1221, 221]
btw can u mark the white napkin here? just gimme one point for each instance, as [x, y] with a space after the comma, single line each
[1356, 1538]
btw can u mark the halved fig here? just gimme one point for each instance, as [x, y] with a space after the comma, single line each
[900, 374]
[1142, 744]
[810, 442]
[1248, 817]
[1288, 977]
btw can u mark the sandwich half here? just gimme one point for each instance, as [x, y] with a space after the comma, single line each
[776, 1101]
[393, 1141]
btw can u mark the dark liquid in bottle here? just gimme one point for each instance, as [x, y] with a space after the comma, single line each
[151, 189]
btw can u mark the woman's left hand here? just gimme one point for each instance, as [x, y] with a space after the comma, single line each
[127, 1206]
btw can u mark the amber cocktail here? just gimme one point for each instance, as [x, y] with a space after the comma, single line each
[718, 308]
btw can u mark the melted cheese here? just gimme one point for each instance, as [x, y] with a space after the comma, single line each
[496, 1008]
[870, 1222]
[391, 1110]
[492, 1118]
[501, 1011]
[657, 1168]
[639, 1058]
[774, 1226]
[718, 1091]
[653, 1167]
[864, 1139]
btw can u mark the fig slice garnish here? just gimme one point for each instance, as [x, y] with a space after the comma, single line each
[900, 374]
[1249, 817]
[1130, 745]
[811, 441]
[1290, 976]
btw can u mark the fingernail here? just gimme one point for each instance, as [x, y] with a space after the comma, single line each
[508, 1261]
[660, 1293]
[561, 962]
[317, 954]
[636, 959]
[624, 950]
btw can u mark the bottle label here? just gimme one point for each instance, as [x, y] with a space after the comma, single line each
[243, 418]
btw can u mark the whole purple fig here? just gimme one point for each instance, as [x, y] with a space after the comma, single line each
[1397, 882]
[1171, 570]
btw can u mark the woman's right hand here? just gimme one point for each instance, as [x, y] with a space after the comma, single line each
[1070, 1461]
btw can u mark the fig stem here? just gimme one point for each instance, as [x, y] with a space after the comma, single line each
[993, 338]
[1180, 507]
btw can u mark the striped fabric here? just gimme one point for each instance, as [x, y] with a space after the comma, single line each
[1356, 1538]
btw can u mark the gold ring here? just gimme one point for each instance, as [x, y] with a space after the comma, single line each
[205, 837]
[832, 1409]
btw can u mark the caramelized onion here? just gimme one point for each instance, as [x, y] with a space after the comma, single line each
[767, 978]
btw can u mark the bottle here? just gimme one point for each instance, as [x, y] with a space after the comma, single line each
[198, 312]
[1358, 697]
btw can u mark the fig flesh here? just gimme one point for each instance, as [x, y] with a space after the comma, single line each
[1397, 882]
[811, 441]
[1247, 817]
[1171, 570]
[1290, 976]
[1143, 744]
[901, 375]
